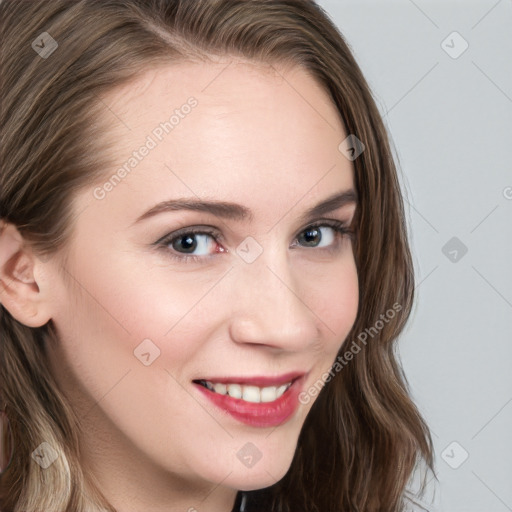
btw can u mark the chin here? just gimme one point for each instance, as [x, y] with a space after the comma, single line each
[258, 477]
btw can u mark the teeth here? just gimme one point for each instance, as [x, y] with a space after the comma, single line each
[281, 390]
[268, 394]
[235, 390]
[220, 388]
[252, 394]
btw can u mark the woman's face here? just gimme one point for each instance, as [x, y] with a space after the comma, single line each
[144, 309]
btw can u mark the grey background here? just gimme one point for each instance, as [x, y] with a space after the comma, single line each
[450, 121]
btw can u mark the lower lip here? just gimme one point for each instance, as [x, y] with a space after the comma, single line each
[263, 414]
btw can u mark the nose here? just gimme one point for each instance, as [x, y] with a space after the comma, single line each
[270, 305]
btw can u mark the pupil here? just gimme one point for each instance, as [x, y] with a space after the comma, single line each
[311, 234]
[188, 242]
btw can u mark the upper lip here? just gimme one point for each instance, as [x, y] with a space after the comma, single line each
[259, 381]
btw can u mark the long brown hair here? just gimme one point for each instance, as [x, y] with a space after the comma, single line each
[363, 436]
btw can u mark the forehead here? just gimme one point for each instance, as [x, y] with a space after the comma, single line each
[225, 90]
[250, 126]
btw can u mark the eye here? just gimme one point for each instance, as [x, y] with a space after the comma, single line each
[194, 243]
[191, 243]
[318, 236]
[325, 235]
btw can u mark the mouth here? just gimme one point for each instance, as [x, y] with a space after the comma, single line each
[255, 401]
[247, 393]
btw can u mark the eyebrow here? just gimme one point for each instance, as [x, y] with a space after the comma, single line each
[238, 212]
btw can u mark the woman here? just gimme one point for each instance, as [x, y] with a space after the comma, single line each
[204, 264]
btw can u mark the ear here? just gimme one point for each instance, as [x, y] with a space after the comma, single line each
[20, 271]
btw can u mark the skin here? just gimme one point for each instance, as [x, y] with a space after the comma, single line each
[151, 439]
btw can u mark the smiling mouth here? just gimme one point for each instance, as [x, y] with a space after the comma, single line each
[245, 392]
[257, 401]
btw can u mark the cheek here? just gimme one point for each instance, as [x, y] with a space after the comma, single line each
[333, 295]
[126, 304]
[114, 313]
[103, 320]
[129, 340]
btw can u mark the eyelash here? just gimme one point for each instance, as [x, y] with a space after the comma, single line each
[340, 228]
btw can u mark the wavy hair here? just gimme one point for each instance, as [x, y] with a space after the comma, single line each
[363, 436]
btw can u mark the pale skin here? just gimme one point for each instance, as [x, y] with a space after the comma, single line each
[151, 439]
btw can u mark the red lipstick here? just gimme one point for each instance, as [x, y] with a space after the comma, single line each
[263, 414]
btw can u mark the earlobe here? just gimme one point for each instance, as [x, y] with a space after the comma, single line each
[20, 294]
